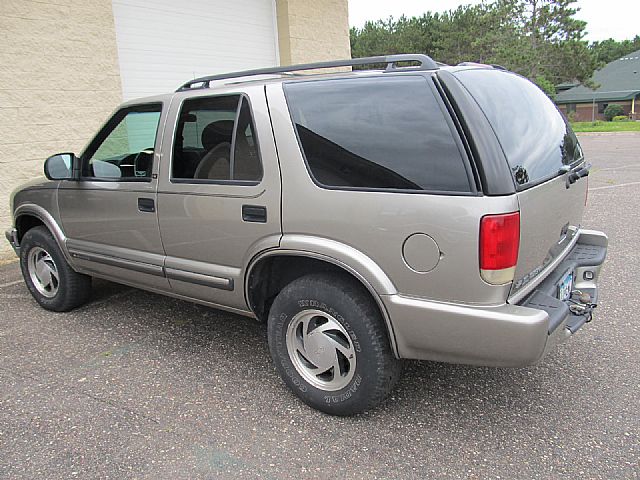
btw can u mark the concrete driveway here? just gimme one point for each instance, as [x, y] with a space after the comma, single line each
[135, 385]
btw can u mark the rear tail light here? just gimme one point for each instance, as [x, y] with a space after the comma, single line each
[499, 244]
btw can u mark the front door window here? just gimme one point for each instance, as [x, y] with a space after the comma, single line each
[124, 149]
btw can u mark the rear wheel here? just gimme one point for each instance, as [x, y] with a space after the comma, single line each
[49, 278]
[330, 345]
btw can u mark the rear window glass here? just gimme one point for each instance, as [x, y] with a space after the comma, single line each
[381, 133]
[534, 135]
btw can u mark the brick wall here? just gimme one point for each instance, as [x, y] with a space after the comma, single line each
[585, 113]
[313, 31]
[59, 80]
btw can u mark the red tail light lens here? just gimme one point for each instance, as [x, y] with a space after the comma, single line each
[499, 244]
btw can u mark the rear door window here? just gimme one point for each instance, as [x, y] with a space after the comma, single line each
[535, 137]
[215, 142]
[376, 133]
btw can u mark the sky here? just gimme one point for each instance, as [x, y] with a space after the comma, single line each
[616, 19]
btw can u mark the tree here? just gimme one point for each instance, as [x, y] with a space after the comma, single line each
[539, 39]
[476, 33]
[546, 86]
[609, 50]
[551, 41]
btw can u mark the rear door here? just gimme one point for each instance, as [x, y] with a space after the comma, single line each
[542, 152]
[219, 192]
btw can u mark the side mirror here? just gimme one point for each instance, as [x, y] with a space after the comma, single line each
[60, 166]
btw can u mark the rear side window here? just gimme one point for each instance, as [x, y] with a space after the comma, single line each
[215, 142]
[376, 133]
[535, 137]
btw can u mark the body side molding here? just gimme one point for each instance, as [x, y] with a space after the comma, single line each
[141, 267]
[199, 279]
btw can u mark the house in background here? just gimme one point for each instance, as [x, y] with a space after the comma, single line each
[619, 82]
[67, 64]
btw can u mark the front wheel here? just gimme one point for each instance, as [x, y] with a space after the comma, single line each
[330, 345]
[49, 278]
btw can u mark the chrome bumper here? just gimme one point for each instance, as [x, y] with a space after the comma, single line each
[12, 237]
[504, 335]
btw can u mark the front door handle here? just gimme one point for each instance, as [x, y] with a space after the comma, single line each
[254, 213]
[146, 205]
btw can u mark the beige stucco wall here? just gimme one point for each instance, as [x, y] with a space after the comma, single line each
[59, 80]
[312, 31]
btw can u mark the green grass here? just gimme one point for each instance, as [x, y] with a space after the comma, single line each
[600, 126]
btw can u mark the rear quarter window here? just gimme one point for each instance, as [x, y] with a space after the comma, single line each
[536, 139]
[376, 133]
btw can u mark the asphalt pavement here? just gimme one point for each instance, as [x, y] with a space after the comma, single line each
[136, 385]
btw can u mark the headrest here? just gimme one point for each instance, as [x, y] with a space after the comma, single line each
[216, 133]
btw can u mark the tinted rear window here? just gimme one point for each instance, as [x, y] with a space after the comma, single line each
[534, 135]
[376, 133]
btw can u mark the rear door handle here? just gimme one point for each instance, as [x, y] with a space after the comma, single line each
[254, 213]
[146, 205]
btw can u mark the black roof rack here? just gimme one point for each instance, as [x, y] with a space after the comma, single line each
[426, 63]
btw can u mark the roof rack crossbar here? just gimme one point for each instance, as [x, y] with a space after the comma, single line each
[426, 63]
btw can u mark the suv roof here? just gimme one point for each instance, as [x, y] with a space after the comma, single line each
[285, 73]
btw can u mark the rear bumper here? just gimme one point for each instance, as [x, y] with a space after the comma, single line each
[505, 335]
[12, 238]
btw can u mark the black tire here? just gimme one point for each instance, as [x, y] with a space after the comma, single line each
[345, 301]
[72, 289]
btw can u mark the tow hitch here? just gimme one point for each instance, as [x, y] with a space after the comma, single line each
[580, 303]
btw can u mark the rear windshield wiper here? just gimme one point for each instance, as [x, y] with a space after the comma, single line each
[575, 174]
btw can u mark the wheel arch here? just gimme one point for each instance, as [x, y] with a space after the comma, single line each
[30, 215]
[272, 270]
[26, 222]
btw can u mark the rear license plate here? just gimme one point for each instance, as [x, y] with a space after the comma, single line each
[565, 286]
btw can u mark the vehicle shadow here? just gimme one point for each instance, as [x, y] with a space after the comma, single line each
[427, 391]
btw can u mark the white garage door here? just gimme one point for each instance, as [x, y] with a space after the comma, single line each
[164, 43]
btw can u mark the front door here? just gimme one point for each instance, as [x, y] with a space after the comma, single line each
[109, 215]
[219, 193]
